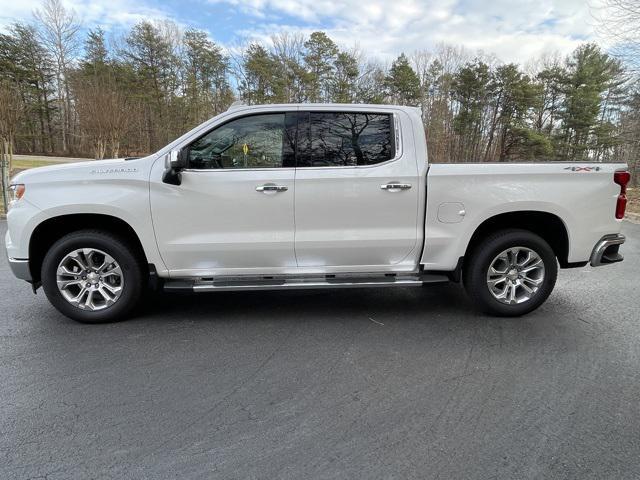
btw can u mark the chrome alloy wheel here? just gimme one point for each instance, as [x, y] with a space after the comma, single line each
[90, 279]
[515, 275]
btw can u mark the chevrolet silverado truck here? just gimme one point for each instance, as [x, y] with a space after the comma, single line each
[308, 196]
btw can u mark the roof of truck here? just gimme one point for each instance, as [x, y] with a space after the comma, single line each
[329, 106]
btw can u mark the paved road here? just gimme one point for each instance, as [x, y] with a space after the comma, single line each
[337, 384]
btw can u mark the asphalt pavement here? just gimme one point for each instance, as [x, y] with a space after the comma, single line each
[389, 383]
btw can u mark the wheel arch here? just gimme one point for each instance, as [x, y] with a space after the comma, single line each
[547, 225]
[49, 231]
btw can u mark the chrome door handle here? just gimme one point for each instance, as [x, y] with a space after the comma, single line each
[396, 186]
[272, 188]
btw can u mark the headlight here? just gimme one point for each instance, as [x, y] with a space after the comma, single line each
[16, 191]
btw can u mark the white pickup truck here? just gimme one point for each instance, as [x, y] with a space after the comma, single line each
[308, 196]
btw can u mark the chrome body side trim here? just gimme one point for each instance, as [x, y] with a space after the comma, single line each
[300, 285]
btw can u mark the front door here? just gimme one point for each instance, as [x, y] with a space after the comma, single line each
[233, 212]
[356, 194]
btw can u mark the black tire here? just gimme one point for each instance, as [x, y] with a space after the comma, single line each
[477, 265]
[133, 273]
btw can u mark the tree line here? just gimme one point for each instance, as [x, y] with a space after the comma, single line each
[68, 90]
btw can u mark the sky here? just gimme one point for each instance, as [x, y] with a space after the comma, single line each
[513, 30]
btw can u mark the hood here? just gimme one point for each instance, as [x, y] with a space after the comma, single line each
[76, 169]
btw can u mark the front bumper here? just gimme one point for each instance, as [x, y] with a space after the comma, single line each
[20, 269]
[606, 250]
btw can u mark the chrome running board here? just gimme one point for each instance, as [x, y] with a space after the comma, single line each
[300, 283]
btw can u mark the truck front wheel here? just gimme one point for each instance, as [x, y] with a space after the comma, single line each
[92, 276]
[510, 273]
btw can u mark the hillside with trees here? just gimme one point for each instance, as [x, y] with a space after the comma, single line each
[71, 89]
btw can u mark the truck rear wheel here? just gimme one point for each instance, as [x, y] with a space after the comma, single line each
[92, 277]
[510, 273]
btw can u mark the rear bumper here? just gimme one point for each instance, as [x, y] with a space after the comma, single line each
[606, 250]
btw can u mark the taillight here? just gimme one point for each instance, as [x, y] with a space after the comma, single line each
[621, 178]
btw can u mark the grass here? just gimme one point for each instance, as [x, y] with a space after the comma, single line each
[25, 163]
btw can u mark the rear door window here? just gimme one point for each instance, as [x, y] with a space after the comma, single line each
[345, 139]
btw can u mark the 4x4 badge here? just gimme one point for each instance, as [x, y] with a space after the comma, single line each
[583, 169]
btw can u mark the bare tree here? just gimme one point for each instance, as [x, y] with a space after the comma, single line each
[629, 148]
[103, 112]
[288, 51]
[58, 31]
[10, 113]
[421, 60]
[619, 22]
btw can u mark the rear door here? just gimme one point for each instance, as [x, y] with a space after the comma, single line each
[356, 198]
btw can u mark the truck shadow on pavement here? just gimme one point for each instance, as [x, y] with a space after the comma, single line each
[375, 304]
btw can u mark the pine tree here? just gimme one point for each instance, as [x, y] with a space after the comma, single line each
[260, 83]
[26, 63]
[319, 58]
[403, 84]
[470, 90]
[150, 56]
[591, 73]
[207, 89]
[96, 57]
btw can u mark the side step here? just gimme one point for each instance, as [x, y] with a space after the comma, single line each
[300, 283]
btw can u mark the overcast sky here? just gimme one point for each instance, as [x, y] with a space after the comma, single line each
[515, 30]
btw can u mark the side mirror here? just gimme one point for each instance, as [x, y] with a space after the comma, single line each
[177, 160]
